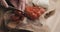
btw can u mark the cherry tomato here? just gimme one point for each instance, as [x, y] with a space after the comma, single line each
[34, 12]
[14, 17]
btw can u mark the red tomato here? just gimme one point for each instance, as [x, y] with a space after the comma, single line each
[14, 18]
[18, 13]
[42, 10]
[34, 12]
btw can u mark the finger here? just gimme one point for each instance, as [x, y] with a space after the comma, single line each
[14, 3]
[4, 3]
[21, 5]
